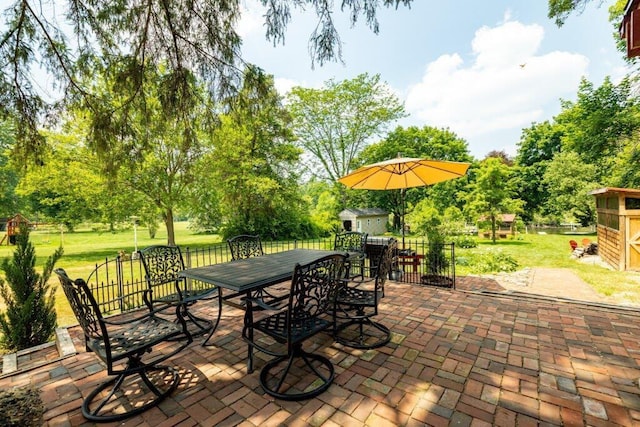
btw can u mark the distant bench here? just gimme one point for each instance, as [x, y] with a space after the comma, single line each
[414, 260]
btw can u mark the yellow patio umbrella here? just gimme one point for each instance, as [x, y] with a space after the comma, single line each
[402, 173]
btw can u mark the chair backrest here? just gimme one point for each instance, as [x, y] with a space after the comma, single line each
[314, 287]
[84, 307]
[586, 242]
[385, 263]
[245, 246]
[350, 241]
[162, 263]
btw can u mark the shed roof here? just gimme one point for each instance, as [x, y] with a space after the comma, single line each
[607, 190]
[364, 212]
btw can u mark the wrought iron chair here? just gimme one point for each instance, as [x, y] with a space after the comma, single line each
[355, 243]
[245, 246]
[311, 298]
[248, 246]
[357, 304]
[162, 264]
[129, 340]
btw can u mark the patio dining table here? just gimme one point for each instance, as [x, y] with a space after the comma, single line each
[252, 274]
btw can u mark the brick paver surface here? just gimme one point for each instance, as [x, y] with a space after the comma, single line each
[456, 358]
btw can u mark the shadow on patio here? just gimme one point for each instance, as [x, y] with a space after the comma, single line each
[458, 357]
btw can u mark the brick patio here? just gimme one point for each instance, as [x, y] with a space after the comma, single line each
[457, 358]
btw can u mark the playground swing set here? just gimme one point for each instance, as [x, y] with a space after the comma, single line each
[12, 228]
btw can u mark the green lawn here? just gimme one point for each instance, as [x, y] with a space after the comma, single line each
[84, 248]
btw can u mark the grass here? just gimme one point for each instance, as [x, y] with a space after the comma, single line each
[553, 251]
[84, 248]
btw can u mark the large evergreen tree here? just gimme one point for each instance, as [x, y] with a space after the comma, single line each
[72, 40]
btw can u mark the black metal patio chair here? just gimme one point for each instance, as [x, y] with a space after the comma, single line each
[245, 246]
[162, 264]
[311, 298]
[126, 347]
[355, 243]
[357, 303]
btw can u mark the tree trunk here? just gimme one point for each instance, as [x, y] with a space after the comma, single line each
[168, 222]
[493, 228]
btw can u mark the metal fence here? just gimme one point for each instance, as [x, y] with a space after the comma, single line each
[118, 283]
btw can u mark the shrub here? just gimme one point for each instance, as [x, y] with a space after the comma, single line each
[491, 261]
[30, 318]
[465, 242]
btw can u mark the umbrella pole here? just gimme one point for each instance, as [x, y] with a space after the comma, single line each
[402, 190]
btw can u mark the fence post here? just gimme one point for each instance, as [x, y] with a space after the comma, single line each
[119, 280]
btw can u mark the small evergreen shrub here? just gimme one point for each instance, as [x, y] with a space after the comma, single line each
[30, 318]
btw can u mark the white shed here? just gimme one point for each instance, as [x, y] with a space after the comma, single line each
[370, 220]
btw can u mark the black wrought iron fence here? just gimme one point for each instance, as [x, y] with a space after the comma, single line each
[119, 284]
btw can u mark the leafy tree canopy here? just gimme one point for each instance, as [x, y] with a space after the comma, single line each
[334, 124]
[598, 122]
[569, 181]
[492, 193]
[426, 142]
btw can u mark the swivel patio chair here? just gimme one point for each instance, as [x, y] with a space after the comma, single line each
[162, 263]
[245, 246]
[311, 298]
[126, 347]
[357, 304]
[355, 243]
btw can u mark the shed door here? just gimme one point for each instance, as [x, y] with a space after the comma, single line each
[633, 243]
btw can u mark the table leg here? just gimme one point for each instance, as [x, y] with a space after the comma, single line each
[248, 319]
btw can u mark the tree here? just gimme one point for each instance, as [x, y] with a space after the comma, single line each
[426, 142]
[538, 144]
[335, 123]
[597, 124]
[10, 202]
[30, 318]
[502, 155]
[492, 193]
[191, 38]
[252, 165]
[569, 181]
[559, 10]
[64, 189]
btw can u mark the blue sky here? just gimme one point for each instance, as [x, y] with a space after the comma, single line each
[456, 64]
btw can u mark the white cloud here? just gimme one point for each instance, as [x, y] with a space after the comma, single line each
[506, 86]
[251, 18]
[284, 85]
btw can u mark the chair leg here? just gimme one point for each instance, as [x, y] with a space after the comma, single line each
[103, 410]
[374, 336]
[214, 326]
[267, 378]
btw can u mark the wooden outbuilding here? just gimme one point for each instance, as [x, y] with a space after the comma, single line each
[12, 227]
[619, 227]
[371, 220]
